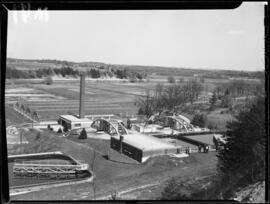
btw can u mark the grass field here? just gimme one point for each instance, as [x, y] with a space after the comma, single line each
[62, 97]
[116, 174]
[13, 118]
[219, 120]
[103, 97]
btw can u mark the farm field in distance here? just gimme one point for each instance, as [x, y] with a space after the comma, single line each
[101, 97]
[62, 97]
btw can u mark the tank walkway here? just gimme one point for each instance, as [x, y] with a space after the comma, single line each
[48, 165]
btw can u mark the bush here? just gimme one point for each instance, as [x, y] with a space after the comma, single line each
[59, 130]
[83, 134]
[212, 126]
[199, 120]
[171, 79]
[174, 191]
[132, 80]
[213, 101]
[121, 74]
[48, 80]
[38, 136]
[129, 124]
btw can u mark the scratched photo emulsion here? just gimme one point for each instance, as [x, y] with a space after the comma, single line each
[136, 104]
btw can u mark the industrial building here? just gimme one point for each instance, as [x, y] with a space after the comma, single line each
[141, 147]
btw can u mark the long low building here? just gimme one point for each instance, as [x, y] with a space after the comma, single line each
[141, 147]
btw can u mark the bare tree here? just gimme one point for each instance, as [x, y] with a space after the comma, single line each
[158, 100]
[164, 98]
[145, 104]
[172, 97]
[35, 116]
[192, 90]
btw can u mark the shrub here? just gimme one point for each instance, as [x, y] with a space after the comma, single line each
[59, 130]
[132, 80]
[171, 79]
[139, 76]
[213, 101]
[114, 196]
[199, 120]
[48, 80]
[28, 111]
[129, 124]
[174, 191]
[38, 136]
[210, 126]
[83, 134]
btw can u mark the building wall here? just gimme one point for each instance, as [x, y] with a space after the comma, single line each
[161, 152]
[74, 125]
[127, 149]
[138, 154]
[63, 123]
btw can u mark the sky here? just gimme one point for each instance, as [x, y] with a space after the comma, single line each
[207, 39]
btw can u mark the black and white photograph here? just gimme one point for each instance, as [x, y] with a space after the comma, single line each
[145, 104]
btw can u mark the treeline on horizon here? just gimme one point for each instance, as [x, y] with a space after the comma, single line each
[146, 70]
[66, 71]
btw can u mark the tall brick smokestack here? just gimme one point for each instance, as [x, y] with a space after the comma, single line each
[82, 98]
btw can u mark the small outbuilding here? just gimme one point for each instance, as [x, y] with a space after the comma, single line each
[73, 122]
